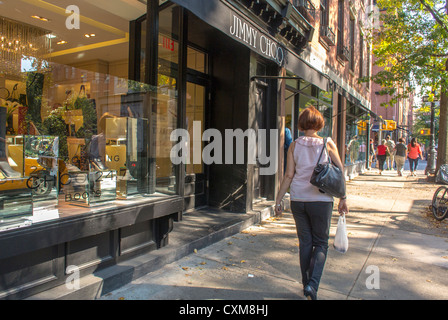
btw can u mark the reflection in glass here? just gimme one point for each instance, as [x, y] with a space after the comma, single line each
[195, 112]
[356, 134]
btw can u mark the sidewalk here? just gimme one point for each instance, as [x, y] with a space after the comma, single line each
[388, 228]
[219, 255]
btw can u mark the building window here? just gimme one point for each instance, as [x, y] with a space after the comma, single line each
[324, 12]
[326, 32]
[361, 56]
[340, 24]
[352, 44]
[343, 53]
[368, 64]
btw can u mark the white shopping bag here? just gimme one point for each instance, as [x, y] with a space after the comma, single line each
[341, 239]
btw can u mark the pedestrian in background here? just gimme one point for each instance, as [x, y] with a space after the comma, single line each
[311, 208]
[390, 144]
[414, 152]
[400, 156]
[381, 155]
[371, 153]
[288, 140]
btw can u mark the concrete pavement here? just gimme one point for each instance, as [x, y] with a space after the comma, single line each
[396, 251]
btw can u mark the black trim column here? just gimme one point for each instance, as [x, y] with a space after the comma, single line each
[182, 17]
[151, 75]
[134, 51]
[152, 39]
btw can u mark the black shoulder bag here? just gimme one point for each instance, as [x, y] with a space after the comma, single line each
[328, 177]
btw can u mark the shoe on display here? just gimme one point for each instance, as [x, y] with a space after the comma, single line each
[8, 171]
[71, 167]
[98, 164]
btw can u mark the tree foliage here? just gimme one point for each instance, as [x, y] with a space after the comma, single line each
[422, 120]
[411, 45]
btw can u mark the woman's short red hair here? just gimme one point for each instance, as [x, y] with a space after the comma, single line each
[311, 119]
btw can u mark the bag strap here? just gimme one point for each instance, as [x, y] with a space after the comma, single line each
[324, 148]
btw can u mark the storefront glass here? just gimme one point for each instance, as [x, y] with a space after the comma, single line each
[76, 134]
[356, 134]
[304, 95]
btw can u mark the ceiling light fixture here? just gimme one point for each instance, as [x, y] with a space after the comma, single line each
[61, 42]
[40, 18]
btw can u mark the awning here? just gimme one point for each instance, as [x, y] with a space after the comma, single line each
[304, 71]
[358, 103]
[224, 17]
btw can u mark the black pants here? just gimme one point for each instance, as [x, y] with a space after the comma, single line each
[313, 220]
[381, 160]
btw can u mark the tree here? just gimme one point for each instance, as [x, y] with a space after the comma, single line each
[412, 47]
[422, 119]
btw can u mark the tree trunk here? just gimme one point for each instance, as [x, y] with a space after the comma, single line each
[442, 150]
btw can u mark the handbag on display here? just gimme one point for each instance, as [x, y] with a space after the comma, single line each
[328, 177]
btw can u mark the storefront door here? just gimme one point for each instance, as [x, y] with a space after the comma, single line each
[260, 123]
[196, 172]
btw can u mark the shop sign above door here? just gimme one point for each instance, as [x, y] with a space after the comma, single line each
[261, 43]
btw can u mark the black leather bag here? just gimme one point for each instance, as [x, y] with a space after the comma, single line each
[328, 177]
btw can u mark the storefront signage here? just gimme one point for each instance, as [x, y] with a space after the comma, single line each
[167, 43]
[262, 43]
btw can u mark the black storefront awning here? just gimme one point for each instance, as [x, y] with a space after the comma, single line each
[357, 102]
[222, 16]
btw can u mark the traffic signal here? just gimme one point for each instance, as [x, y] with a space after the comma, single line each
[425, 132]
[389, 125]
[362, 126]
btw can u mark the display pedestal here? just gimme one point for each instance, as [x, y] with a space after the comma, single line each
[15, 200]
[44, 214]
[126, 152]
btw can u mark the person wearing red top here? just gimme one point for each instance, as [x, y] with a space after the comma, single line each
[381, 155]
[414, 151]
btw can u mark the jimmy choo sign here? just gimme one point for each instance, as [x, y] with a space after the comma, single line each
[257, 41]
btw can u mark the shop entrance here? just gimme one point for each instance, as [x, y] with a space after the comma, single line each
[196, 174]
[260, 123]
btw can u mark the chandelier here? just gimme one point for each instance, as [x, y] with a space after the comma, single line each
[20, 41]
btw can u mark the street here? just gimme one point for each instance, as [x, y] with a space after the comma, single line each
[396, 251]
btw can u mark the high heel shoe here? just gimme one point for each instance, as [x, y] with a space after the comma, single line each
[310, 293]
[98, 164]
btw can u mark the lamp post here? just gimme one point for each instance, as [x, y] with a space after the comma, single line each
[432, 152]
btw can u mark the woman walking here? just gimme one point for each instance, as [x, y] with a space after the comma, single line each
[414, 152]
[371, 153]
[400, 156]
[381, 155]
[311, 209]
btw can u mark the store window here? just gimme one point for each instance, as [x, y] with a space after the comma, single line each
[289, 110]
[76, 134]
[305, 95]
[356, 134]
